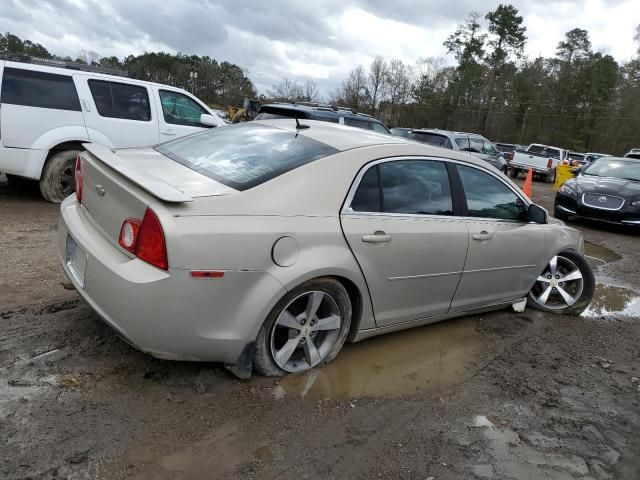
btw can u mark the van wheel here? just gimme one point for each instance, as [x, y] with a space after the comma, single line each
[58, 176]
[306, 329]
[514, 172]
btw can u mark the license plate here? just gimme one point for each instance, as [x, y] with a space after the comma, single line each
[76, 260]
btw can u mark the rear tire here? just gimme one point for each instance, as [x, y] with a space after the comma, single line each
[514, 173]
[274, 334]
[58, 181]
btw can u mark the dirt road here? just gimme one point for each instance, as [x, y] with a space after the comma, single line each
[501, 395]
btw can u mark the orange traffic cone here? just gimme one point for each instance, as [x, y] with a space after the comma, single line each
[528, 183]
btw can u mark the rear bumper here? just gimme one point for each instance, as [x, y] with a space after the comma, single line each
[536, 169]
[168, 315]
[24, 162]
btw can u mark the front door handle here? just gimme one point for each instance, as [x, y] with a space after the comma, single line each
[168, 132]
[377, 237]
[483, 236]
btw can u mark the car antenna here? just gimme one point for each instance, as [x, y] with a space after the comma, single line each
[300, 126]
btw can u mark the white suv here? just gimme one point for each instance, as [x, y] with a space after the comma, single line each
[48, 112]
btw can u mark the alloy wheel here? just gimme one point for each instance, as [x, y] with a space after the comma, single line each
[305, 331]
[560, 285]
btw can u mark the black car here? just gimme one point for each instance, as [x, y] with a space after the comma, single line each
[607, 190]
[322, 112]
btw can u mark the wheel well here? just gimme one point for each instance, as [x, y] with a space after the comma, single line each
[356, 304]
[72, 145]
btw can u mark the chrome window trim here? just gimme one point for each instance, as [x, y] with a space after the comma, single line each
[347, 210]
[604, 195]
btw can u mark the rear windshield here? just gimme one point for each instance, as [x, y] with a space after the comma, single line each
[243, 156]
[576, 156]
[547, 152]
[503, 147]
[434, 139]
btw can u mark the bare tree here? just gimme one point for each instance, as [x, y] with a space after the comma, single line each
[310, 91]
[287, 90]
[89, 57]
[377, 82]
[353, 92]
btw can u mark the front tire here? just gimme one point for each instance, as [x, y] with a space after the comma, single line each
[514, 172]
[306, 329]
[57, 181]
[565, 286]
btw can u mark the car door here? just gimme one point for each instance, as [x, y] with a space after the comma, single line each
[118, 113]
[179, 116]
[399, 222]
[504, 248]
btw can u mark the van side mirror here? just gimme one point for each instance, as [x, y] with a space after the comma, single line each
[208, 120]
[537, 214]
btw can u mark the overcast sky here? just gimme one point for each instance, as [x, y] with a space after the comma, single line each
[319, 40]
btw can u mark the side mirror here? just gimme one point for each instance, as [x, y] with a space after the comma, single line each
[208, 120]
[537, 214]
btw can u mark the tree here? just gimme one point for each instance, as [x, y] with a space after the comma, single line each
[353, 91]
[377, 82]
[311, 91]
[575, 46]
[287, 91]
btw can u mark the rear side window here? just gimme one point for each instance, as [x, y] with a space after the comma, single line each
[378, 127]
[463, 143]
[434, 139]
[475, 145]
[39, 89]
[355, 122]
[120, 100]
[244, 155]
[405, 186]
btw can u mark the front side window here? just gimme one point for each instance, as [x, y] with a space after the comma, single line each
[244, 155]
[120, 100]
[475, 145]
[488, 197]
[39, 89]
[178, 109]
[489, 149]
[378, 127]
[419, 187]
[463, 143]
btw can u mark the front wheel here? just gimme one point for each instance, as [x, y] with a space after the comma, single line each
[565, 286]
[307, 328]
[57, 181]
[514, 172]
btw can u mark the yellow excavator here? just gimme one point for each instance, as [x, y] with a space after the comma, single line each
[247, 112]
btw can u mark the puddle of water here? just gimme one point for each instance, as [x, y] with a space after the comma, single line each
[514, 459]
[612, 300]
[597, 255]
[424, 358]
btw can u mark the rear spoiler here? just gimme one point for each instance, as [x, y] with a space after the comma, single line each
[144, 180]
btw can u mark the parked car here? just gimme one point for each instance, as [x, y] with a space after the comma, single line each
[47, 112]
[401, 132]
[576, 158]
[507, 150]
[323, 113]
[591, 156]
[472, 143]
[633, 153]
[268, 244]
[542, 160]
[607, 190]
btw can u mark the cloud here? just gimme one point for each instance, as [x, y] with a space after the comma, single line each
[320, 40]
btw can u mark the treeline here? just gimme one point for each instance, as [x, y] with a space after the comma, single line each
[578, 99]
[217, 83]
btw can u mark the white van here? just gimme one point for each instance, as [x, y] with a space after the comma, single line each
[47, 112]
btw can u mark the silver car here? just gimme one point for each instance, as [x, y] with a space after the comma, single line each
[267, 245]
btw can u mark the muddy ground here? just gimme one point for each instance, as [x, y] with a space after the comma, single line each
[502, 395]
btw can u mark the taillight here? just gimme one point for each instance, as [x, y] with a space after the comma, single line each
[549, 163]
[129, 234]
[79, 179]
[145, 239]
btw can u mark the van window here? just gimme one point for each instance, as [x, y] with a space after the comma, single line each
[39, 89]
[179, 109]
[378, 127]
[120, 100]
[355, 122]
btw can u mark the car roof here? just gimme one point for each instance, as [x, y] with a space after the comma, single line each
[448, 133]
[320, 109]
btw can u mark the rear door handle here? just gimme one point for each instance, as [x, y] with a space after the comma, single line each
[168, 132]
[377, 237]
[483, 236]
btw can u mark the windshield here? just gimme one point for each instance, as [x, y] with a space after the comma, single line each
[602, 167]
[546, 151]
[434, 139]
[245, 155]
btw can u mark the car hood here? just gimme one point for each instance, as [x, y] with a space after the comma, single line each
[608, 185]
